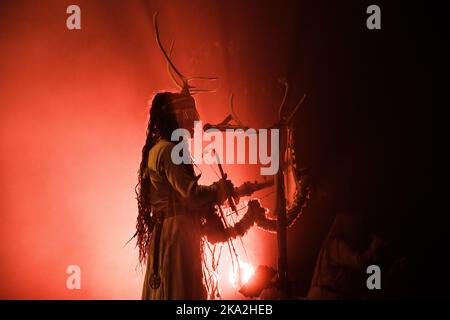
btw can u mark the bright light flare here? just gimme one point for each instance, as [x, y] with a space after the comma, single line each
[246, 271]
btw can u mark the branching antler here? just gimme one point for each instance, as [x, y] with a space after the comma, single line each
[286, 90]
[299, 103]
[226, 123]
[183, 81]
[281, 111]
[161, 47]
[170, 69]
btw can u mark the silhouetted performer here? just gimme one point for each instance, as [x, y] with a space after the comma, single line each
[340, 271]
[173, 207]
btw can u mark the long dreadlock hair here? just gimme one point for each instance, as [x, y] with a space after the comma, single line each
[161, 124]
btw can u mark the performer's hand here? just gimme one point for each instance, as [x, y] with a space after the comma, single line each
[255, 210]
[225, 189]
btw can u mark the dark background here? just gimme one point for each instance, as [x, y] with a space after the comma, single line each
[371, 151]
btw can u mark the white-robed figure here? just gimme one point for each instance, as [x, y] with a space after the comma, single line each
[343, 259]
[175, 212]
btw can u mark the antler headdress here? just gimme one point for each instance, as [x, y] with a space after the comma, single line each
[180, 80]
